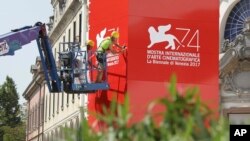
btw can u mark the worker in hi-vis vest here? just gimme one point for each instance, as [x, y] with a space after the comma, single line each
[107, 45]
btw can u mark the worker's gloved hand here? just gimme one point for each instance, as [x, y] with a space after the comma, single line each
[124, 47]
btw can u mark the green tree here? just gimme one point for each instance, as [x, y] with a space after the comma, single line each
[9, 107]
[11, 127]
[14, 133]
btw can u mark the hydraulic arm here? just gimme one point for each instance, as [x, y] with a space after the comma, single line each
[63, 78]
[14, 40]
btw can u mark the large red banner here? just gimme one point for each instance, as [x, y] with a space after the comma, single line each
[163, 37]
[172, 36]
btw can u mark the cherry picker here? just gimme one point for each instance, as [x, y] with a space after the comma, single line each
[59, 78]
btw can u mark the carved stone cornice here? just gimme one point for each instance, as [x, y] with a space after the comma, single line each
[236, 98]
[38, 78]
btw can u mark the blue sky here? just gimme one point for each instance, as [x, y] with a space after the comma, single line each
[15, 14]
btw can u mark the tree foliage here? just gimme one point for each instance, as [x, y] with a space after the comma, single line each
[184, 118]
[11, 127]
[9, 107]
[16, 133]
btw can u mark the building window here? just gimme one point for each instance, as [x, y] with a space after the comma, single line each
[67, 100]
[49, 105]
[77, 123]
[62, 101]
[61, 132]
[80, 28]
[35, 116]
[34, 119]
[41, 111]
[55, 54]
[34, 125]
[71, 126]
[30, 119]
[64, 42]
[52, 136]
[74, 31]
[239, 115]
[46, 107]
[69, 36]
[54, 95]
[48, 137]
[58, 103]
[73, 98]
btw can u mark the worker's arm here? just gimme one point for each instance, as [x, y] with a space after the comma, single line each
[114, 51]
[121, 47]
[117, 45]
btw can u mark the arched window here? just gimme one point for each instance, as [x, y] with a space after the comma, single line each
[77, 123]
[45, 137]
[52, 137]
[236, 19]
[71, 125]
[61, 132]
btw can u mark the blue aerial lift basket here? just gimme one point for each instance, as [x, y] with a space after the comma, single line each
[75, 69]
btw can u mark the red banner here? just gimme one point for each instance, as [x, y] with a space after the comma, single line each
[165, 37]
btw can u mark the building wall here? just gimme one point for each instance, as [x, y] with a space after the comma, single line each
[34, 95]
[233, 104]
[49, 112]
[62, 109]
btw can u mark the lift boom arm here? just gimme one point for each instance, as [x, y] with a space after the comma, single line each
[14, 40]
